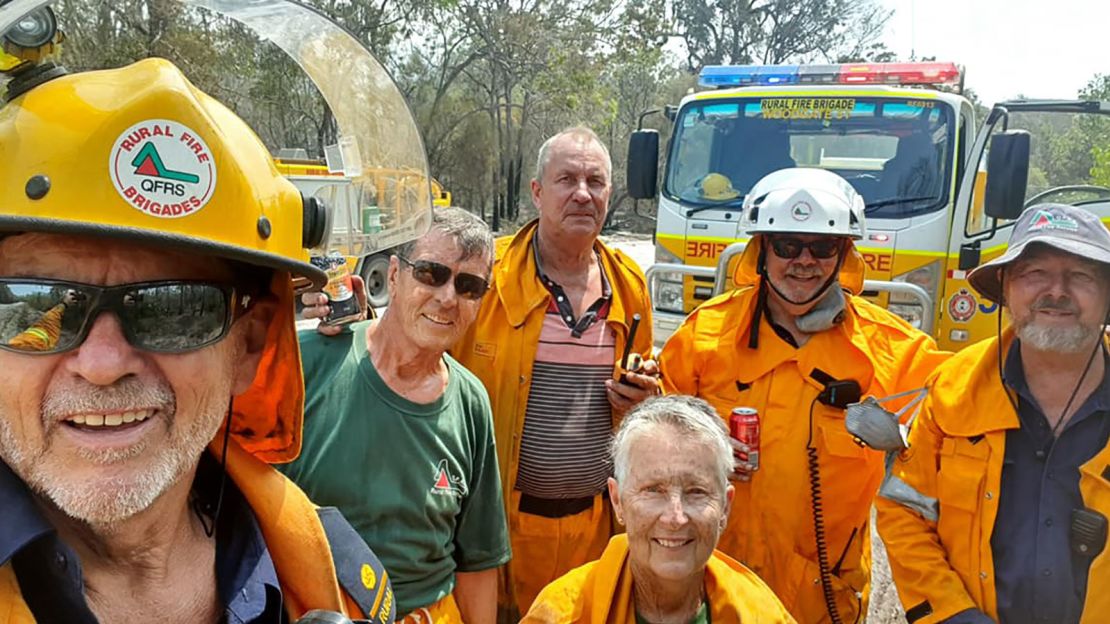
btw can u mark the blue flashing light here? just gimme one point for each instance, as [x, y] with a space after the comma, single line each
[721, 76]
[724, 76]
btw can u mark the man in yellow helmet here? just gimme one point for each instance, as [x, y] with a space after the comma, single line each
[145, 226]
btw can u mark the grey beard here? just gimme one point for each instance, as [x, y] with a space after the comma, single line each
[1075, 339]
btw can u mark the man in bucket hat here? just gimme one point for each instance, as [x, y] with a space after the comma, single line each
[998, 510]
[151, 369]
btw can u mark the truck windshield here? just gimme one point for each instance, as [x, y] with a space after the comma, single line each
[897, 152]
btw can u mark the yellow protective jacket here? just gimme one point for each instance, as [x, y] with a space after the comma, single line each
[302, 540]
[771, 528]
[938, 530]
[500, 346]
[602, 593]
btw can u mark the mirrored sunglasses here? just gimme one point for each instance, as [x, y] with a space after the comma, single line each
[43, 317]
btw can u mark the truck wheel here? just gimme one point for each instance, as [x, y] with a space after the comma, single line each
[375, 272]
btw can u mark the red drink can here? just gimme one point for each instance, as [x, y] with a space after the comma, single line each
[744, 428]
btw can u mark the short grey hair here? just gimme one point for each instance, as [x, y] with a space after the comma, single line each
[471, 233]
[689, 416]
[584, 135]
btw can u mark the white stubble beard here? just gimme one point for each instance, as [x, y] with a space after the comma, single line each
[102, 503]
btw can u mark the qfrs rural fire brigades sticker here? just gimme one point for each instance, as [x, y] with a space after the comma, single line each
[163, 168]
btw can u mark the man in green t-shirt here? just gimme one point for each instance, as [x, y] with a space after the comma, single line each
[399, 436]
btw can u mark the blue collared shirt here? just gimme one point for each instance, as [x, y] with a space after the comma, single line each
[1037, 578]
[49, 573]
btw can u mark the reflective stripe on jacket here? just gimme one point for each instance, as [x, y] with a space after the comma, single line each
[937, 527]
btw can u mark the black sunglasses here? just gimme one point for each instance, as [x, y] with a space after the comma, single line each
[467, 285]
[789, 248]
[39, 316]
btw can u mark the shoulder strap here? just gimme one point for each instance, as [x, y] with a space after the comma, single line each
[358, 569]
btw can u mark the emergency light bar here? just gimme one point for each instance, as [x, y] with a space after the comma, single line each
[725, 76]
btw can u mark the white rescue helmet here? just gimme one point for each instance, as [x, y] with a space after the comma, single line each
[804, 200]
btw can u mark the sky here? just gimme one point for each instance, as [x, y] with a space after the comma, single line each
[1038, 48]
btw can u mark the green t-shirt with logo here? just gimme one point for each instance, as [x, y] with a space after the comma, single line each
[419, 482]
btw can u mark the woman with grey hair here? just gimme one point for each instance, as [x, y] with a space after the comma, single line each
[670, 489]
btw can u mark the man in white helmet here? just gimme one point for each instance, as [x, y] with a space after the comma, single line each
[795, 342]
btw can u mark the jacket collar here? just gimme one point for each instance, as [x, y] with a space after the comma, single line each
[516, 281]
[968, 386]
[773, 351]
[23, 524]
[293, 533]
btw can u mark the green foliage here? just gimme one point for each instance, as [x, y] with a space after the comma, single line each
[721, 32]
[1100, 170]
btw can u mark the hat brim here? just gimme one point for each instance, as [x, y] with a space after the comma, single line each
[167, 240]
[986, 279]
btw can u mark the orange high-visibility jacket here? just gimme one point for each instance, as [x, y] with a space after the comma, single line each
[771, 527]
[500, 346]
[938, 527]
[601, 593]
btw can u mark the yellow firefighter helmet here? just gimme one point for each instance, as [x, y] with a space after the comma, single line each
[717, 187]
[140, 153]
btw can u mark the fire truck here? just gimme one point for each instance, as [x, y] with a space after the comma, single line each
[365, 211]
[940, 197]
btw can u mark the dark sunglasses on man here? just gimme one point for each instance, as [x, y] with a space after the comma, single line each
[789, 247]
[43, 317]
[434, 274]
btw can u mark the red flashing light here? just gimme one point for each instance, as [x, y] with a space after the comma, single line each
[899, 73]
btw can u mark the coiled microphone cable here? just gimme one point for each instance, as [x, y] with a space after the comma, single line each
[819, 522]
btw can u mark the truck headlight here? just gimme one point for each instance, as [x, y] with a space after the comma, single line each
[668, 293]
[909, 307]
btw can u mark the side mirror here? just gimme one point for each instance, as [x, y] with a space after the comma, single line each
[643, 164]
[1007, 175]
